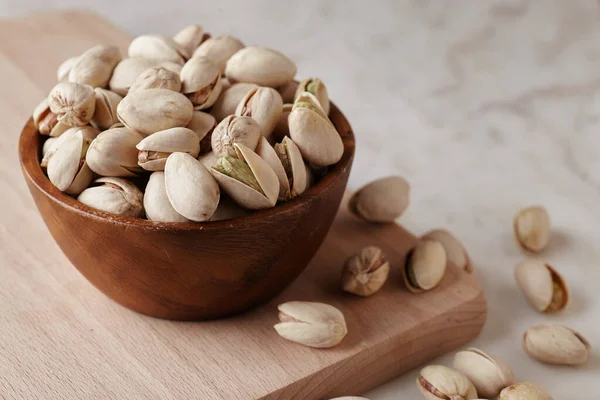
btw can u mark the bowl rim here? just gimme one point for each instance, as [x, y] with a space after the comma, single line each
[29, 155]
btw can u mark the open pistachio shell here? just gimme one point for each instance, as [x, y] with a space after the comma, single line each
[229, 99]
[248, 179]
[219, 49]
[113, 153]
[127, 71]
[157, 47]
[260, 65]
[156, 202]
[191, 189]
[62, 73]
[114, 195]
[264, 105]
[316, 137]
[556, 344]
[47, 145]
[232, 130]
[425, 266]
[544, 287]
[95, 66]
[73, 103]
[201, 82]
[488, 374]
[267, 153]
[50, 147]
[438, 382]
[455, 251]
[157, 78]
[317, 88]
[44, 119]
[105, 114]
[154, 149]
[286, 161]
[189, 38]
[365, 272]
[203, 125]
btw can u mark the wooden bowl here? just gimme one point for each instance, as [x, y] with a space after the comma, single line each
[190, 271]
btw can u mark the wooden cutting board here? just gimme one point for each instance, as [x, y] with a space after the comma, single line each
[60, 338]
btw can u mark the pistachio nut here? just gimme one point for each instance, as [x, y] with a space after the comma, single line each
[229, 99]
[44, 119]
[191, 189]
[127, 71]
[114, 195]
[317, 88]
[189, 38]
[545, 289]
[154, 149]
[455, 252]
[232, 130]
[152, 110]
[382, 200]
[438, 382]
[532, 228]
[52, 146]
[260, 65]
[286, 161]
[67, 168]
[247, 179]
[282, 129]
[157, 47]
[228, 209]
[74, 104]
[524, 391]
[113, 153]
[62, 73]
[316, 137]
[157, 78]
[156, 202]
[201, 82]
[95, 66]
[488, 374]
[105, 114]
[312, 324]
[365, 272]
[264, 105]
[219, 49]
[209, 160]
[288, 91]
[425, 266]
[47, 146]
[556, 344]
[203, 125]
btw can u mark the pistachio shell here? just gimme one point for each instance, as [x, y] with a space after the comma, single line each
[105, 114]
[317, 88]
[74, 104]
[260, 65]
[286, 161]
[154, 149]
[189, 38]
[425, 266]
[288, 91]
[192, 190]
[219, 49]
[382, 200]
[532, 228]
[282, 129]
[229, 99]
[316, 137]
[312, 324]
[455, 251]
[95, 66]
[44, 119]
[157, 78]
[234, 179]
[267, 153]
[113, 153]
[556, 344]
[365, 272]
[524, 391]
[209, 160]
[126, 72]
[201, 82]
[264, 105]
[203, 125]
[47, 146]
[152, 110]
[87, 131]
[545, 289]
[62, 73]
[114, 195]
[156, 202]
[438, 382]
[488, 374]
[228, 209]
[234, 129]
[157, 47]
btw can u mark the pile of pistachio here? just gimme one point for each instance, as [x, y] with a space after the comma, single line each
[160, 133]
[475, 374]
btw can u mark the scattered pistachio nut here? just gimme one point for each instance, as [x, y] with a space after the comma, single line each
[113, 153]
[232, 130]
[73, 103]
[189, 38]
[191, 189]
[455, 252]
[365, 272]
[127, 71]
[229, 99]
[156, 202]
[264, 105]
[438, 382]
[152, 110]
[219, 49]
[532, 228]
[157, 47]
[62, 73]
[312, 324]
[95, 66]
[157, 78]
[317, 88]
[260, 65]
[247, 179]
[524, 391]
[114, 195]
[382, 200]
[316, 137]
[488, 374]
[544, 287]
[203, 125]
[282, 128]
[201, 82]
[288, 91]
[556, 344]
[105, 114]
[154, 149]
[425, 266]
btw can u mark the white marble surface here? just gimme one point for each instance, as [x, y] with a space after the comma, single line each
[484, 106]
